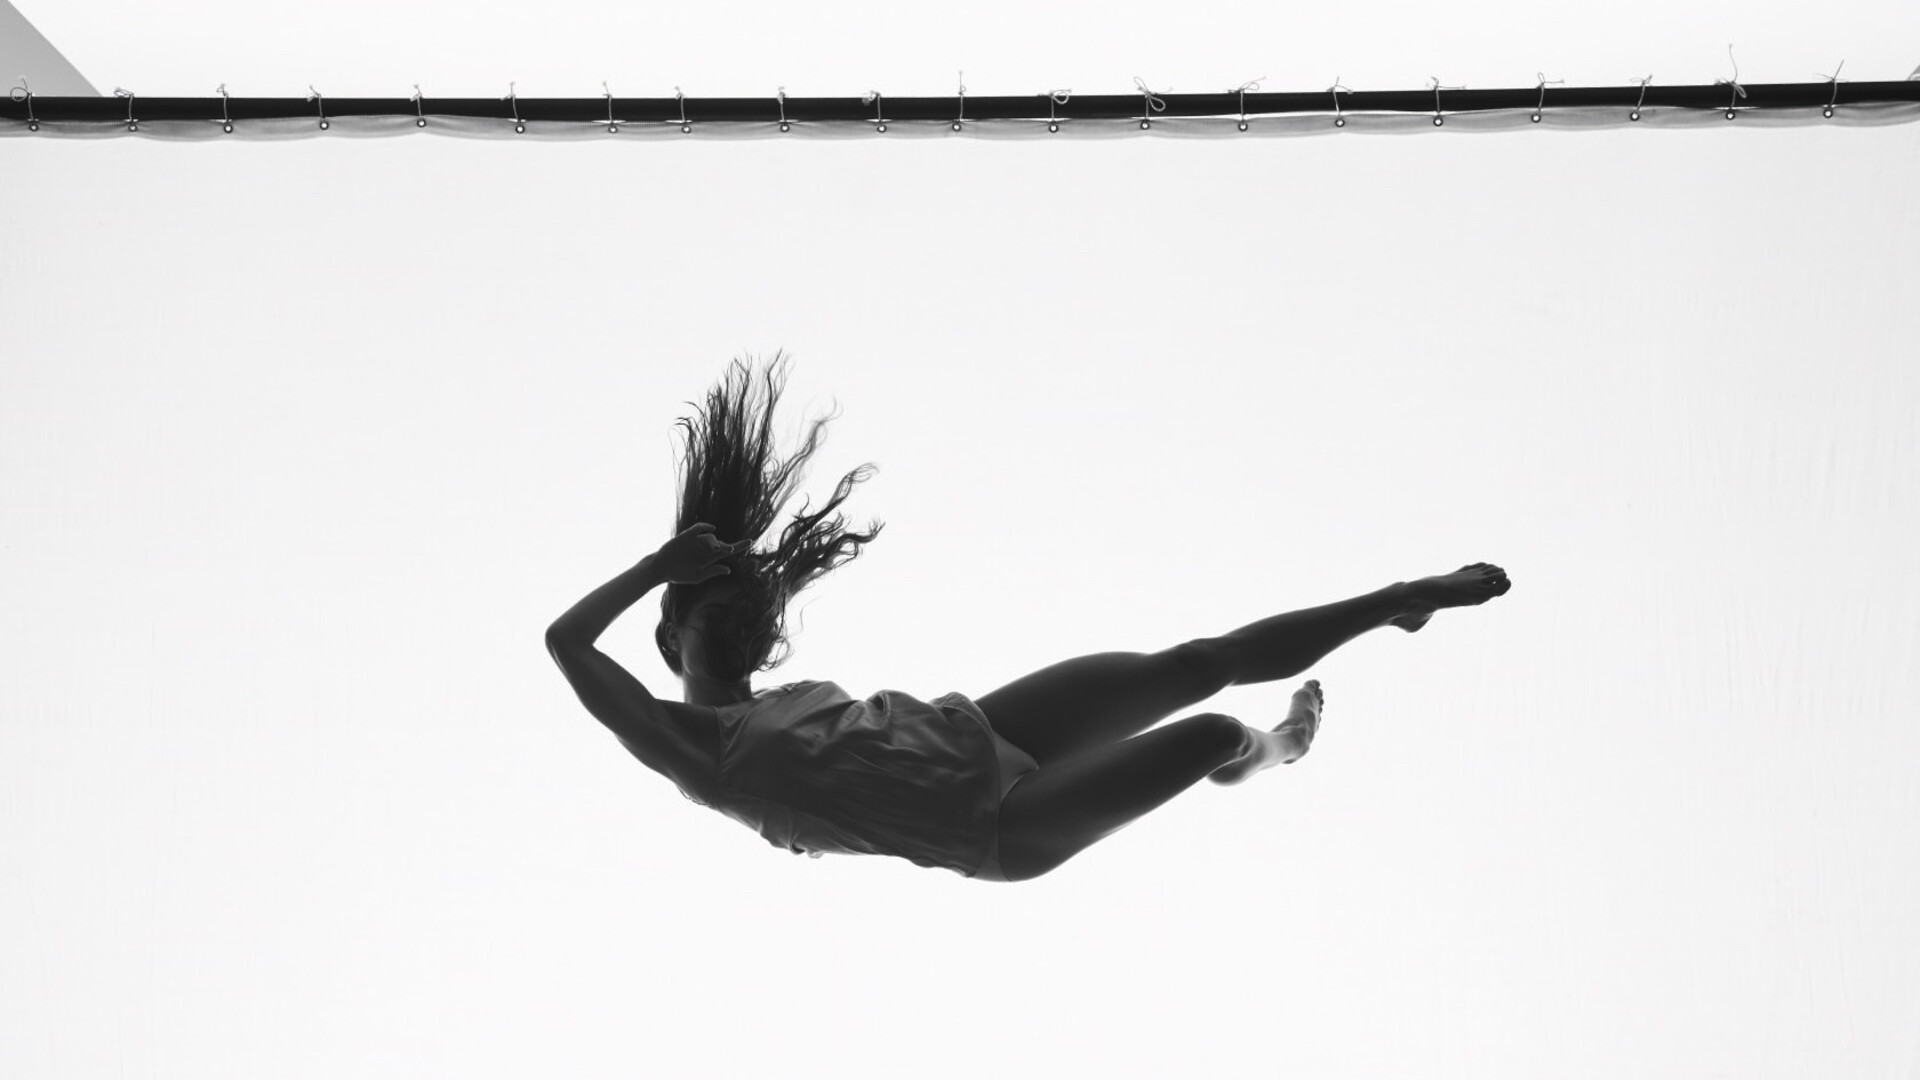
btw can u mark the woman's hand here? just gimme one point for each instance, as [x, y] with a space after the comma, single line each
[690, 558]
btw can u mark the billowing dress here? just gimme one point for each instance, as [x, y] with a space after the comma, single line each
[814, 771]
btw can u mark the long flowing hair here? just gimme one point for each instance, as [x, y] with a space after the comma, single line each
[732, 478]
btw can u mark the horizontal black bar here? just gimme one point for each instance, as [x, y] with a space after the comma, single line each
[1026, 107]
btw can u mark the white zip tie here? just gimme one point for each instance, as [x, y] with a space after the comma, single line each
[1242, 90]
[1738, 90]
[1152, 104]
[1541, 106]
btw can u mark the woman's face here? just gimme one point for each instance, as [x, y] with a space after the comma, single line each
[697, 649]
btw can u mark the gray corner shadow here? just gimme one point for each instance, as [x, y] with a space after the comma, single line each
[28, 58]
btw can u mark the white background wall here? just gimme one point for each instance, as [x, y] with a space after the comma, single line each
[302, 445]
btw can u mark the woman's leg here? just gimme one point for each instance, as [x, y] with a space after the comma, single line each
[1080, 705]
[1059, 810]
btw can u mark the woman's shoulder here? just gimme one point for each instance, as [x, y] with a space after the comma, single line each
[802, 694]
[802, 686]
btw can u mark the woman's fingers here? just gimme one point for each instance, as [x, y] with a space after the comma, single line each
[716, 547]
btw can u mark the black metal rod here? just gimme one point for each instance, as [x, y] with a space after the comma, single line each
[1027, 107]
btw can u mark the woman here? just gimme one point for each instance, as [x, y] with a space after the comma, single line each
[1005, 788]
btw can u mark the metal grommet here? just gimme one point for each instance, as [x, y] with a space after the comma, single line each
[132, 124]
[319, 105]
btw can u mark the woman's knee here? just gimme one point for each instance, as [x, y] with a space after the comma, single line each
[1215, 735]
[1204, 666]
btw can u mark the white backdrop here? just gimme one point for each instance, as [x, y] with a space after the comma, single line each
[302, 446]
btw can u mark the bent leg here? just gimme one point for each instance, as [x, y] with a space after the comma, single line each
[1078, 705]
[1060, 810]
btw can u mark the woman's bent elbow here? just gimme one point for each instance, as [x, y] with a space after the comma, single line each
[561, 643]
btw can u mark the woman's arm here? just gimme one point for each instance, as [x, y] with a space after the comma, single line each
[609, 691]
[583, 623]
[687, 559]
[680, 742]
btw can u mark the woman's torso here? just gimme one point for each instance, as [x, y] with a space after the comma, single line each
[812, 769]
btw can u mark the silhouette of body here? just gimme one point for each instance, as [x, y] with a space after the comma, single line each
[1004, 788]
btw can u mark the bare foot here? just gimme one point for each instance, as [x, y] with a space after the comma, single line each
[1285, 744]
[1467, 586]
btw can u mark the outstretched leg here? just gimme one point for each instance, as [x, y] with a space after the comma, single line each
[1079, 705]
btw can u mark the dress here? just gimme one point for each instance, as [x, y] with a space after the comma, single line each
[813, 770]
